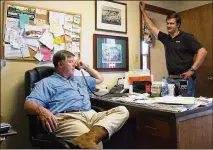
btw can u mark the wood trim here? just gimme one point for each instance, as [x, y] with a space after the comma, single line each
[155, 9]
[158, 9]
[192, 116]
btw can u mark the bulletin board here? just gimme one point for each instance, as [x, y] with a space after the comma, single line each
[35, 33]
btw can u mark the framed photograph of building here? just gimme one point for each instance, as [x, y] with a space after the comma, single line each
[110, 16]
[110, 53]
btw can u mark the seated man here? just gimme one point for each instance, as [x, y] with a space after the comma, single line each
[62, 103]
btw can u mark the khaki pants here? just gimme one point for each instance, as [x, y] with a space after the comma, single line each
[73, 124]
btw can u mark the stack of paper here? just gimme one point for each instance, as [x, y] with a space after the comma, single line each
[176, 100]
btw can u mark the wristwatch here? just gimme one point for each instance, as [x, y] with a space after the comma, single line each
[192, 70]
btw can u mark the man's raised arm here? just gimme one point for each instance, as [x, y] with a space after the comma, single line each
[148, 22]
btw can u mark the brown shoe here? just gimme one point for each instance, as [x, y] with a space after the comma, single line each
[91, 138]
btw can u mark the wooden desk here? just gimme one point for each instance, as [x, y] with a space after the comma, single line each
[147, 128]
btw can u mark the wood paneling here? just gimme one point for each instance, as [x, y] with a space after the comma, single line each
[196, 133]
[198, 21]
[157, 129]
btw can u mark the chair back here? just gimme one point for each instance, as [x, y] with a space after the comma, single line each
[35, 75]
[39, 138]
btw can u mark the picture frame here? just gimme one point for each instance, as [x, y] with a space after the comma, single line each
[110, 53]
[110, 16]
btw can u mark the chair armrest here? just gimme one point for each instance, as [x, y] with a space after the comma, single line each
[97, 108]
[35, 125]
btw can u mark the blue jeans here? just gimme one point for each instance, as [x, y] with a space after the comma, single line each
[190, 87]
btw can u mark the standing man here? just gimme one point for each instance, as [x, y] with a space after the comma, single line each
[180, 49]
[62, 103]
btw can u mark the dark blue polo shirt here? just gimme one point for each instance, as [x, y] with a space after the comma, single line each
[179, 51]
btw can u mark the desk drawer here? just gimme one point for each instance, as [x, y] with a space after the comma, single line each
[153, 127]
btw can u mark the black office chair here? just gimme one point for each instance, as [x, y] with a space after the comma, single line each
[39, 138]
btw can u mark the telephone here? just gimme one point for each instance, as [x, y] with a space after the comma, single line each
[118, 89]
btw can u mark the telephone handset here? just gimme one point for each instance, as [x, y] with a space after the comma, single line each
[118, 89]
[78, 68]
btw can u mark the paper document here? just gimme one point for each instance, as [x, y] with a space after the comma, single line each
[9, 51]
[32, 31]
[77, 19]
[47, 39]
[176, 100]
[24, 19]
[54, 26]
[41, 11]
[39, 56]
[76, 28]
[32, 42]
[25, 51]
[59, 47]
[68, 18]
[57, 17]
[12, 23]
[46, 53]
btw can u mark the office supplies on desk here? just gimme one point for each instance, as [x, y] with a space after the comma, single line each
[118, 89]
[4, 127]
[176, 100]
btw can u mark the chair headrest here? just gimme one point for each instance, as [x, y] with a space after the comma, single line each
[35, 75]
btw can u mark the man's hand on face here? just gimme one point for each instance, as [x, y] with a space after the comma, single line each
[81, 64]
[142, 6]
[48, 120]
[187, 74]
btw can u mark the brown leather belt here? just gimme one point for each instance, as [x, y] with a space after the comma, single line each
[178, 76]
[68, 111]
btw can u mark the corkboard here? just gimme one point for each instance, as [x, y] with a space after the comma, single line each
[31, 22]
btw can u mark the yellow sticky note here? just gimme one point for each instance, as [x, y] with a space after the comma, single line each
[58, 40]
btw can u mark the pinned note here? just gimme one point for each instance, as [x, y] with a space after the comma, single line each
[67, 38]
[32, 31]
[47, 39]
[41, 11]
[12, 23]
[11, 52]
[59, 47]
[39, 22]
[39, 56]
[59, 40]
[76, 28]
[46, 53]
[24, 19]
[54, 26]
[32, 42]
[68, 18]
[68, 26]
[77, 19]
[56, 16]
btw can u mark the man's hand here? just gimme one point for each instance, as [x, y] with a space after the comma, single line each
[81, 64]
[142, 6]
[48, 120]
[188, 74]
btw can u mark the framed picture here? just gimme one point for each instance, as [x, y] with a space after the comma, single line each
[110, 16]
[110, 53]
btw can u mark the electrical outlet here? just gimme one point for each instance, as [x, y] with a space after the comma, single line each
[3, 63]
